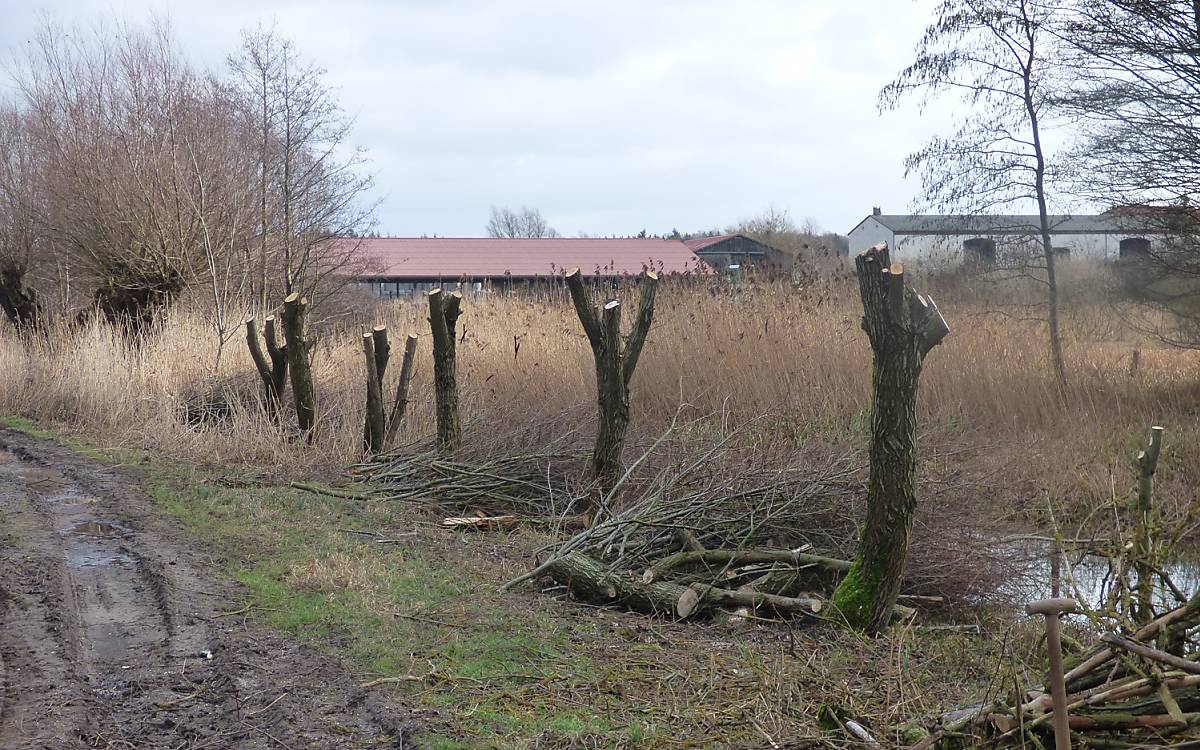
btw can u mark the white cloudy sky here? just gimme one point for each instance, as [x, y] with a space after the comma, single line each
[610, 116]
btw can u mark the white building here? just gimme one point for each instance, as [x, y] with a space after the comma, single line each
[951, 239]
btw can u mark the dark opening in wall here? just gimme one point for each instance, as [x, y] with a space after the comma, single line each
[1062, 253]
[979, 251]
[1133, 249]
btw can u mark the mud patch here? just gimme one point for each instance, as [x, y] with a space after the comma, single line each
[112, 631]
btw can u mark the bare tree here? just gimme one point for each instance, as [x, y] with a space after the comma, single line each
[113, 200]
[526, 222]
[23, 244]
[312, 185]
[997, 55]
[1137, 100]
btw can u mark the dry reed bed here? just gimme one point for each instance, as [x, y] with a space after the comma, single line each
[741, 353]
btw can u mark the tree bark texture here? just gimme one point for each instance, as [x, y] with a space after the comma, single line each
[272, 367]
[903, 327]
[298, 351]
[382, 353]
[400, 403]
[373, 442]
[615, 365]
[443, 316]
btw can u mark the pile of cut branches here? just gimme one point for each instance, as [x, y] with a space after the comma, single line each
[697, 536]
[534, 483]
[1136, 689]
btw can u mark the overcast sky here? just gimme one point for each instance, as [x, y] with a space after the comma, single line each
[610, 116]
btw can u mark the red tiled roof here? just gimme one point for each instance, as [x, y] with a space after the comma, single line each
[699, 243]
[487, 257]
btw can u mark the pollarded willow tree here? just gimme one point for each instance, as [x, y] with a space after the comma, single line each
[903, 327]
[999, 57]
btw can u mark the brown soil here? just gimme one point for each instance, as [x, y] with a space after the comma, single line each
[116, 633]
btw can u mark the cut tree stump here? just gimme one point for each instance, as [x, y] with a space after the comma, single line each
[374, 419]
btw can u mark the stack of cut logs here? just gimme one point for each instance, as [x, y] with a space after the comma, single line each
[695, 580]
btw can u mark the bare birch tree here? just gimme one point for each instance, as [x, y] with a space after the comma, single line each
[997, 56]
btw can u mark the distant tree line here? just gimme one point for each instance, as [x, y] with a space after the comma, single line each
[129, 176]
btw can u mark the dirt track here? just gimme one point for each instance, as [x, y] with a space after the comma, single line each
[112, 633]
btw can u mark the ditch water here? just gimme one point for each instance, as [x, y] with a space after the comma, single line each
[1090, 579]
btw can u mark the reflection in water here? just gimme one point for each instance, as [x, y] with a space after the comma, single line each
[1093, 579]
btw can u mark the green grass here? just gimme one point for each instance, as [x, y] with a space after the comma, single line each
[525, 670]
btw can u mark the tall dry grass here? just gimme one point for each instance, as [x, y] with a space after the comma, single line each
[796, 354]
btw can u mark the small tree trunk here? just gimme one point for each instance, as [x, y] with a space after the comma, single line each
[279, 358]
[903, 327]
[614, 369]
[298, 350]
[401, 402]
[273, 371]
[443, 315]
[1147, 462]
[374, 420]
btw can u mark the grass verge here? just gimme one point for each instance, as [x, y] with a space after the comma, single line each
[532, 670]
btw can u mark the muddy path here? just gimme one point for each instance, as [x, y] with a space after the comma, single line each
[114, 630]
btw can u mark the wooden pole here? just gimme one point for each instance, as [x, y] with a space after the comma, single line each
[902, 327]
[1051, 609]
[374, 419]
[298, 349]
[443, 315]
[400, 404]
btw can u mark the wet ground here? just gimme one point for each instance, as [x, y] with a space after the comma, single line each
[115, 631]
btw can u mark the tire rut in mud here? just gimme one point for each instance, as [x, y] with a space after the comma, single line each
[113, 630]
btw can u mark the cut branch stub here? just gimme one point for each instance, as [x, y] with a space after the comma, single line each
[902, 327]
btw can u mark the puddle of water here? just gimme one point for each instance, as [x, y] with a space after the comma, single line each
[72, 497]
[97, 528]
[93, 557]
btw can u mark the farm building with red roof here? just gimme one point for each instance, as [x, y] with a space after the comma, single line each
[733, 252]
[404, 265]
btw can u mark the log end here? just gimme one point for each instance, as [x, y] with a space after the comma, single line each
[292, 298]
[652, 275]
[611, 304]
[572, 272]
[688, 603]
[435, 292]
[379, 328]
